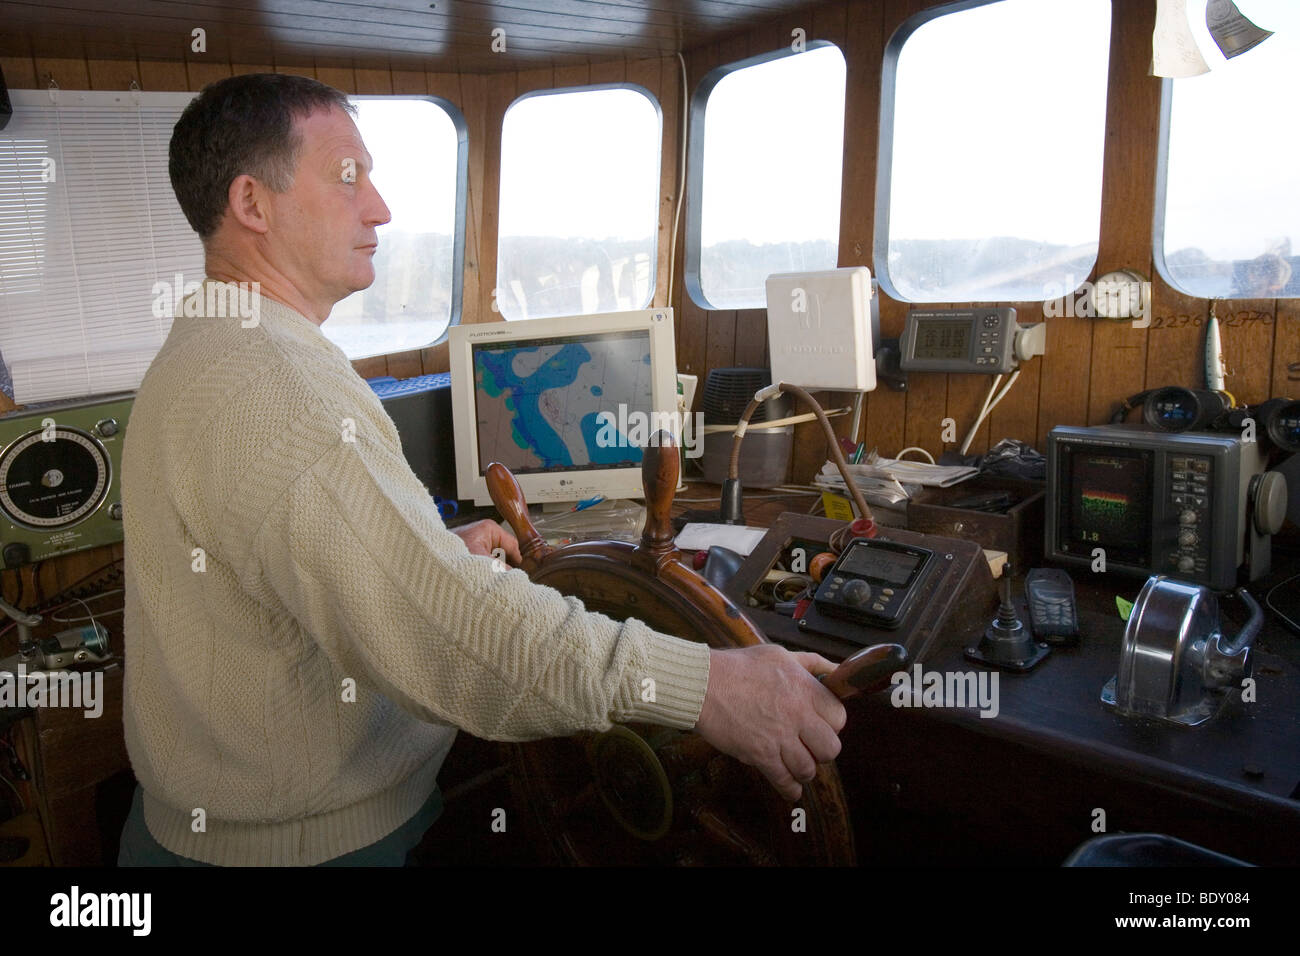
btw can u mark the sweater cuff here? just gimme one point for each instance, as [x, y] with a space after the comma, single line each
[679, 670]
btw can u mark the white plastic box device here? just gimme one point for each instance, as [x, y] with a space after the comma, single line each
[819, 329]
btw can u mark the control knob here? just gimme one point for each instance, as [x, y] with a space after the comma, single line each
[857, 592]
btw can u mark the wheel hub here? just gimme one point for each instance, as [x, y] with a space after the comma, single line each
[632, 782]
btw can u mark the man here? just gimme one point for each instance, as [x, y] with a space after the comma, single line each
[303, 634]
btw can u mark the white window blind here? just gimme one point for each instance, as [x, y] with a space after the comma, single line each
[88, 226]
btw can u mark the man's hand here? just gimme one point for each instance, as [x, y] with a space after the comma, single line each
[484, 537]
[765, 707]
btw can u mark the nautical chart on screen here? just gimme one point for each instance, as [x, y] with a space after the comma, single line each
[555, 404]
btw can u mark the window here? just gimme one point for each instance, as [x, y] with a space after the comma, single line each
[418, 145]
[579, 202]
[1228, 206]
[84, 308]
[992, 132]
[90, 234]
[766, 152]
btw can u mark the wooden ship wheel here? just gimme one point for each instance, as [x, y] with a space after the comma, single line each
[642, 794]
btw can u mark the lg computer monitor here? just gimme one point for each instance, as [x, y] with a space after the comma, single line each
[567, 404]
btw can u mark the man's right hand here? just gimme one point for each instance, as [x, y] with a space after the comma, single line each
[765, 707]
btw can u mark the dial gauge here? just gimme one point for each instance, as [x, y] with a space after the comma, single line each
[51, 484]
[1122, 294]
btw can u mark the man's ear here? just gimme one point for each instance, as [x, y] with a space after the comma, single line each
[247, 200]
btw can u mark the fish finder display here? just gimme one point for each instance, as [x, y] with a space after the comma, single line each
[1109, 504]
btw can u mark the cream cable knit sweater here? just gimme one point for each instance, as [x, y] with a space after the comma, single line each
[279, 550]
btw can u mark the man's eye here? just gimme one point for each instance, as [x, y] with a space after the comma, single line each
[349, 171]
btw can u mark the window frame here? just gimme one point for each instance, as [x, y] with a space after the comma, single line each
[655, 220]
[695, 161]
[459, 224]
[885, 145]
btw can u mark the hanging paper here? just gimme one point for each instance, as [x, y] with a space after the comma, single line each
[1231, 30]
[1173, 48]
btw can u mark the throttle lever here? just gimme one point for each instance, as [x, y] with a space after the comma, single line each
[867, 671]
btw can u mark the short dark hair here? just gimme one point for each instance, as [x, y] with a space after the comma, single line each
[236, 126]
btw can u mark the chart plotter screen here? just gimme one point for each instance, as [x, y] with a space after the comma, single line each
[562, 403]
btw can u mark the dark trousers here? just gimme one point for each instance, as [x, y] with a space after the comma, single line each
[139, 848]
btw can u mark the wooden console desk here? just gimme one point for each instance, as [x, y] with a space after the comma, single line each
[72, 758]
[946, 786]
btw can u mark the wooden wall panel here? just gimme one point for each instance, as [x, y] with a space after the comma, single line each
[203, 72]
[374, 82]
[1286, 350]
[1177, 332]
[883, 424]
[1128, 203]
[112, 74]
[612, 71]
[340, 77]
[1247, 328]
[662, 77]
[473, 104]
[69, 74]
[297, 68]
[19, 72]
[501, 92]
[577, 75]
[159, 76]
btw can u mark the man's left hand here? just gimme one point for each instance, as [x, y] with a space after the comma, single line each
[486, 537]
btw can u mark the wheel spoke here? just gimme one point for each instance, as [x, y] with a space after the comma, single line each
[581, 799]
[724, 833]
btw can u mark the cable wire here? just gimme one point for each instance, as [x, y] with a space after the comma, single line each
[1268, 603]
[990, 402]
[681, 183]
[928, 456]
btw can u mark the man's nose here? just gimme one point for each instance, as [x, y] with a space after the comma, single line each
[377, 212]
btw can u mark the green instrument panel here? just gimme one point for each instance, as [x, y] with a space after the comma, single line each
[59, 485]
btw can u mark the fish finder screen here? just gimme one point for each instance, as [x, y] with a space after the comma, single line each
[572, 403]
[1109, 504]
[942, 339]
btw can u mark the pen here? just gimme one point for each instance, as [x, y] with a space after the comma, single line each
[584, 505]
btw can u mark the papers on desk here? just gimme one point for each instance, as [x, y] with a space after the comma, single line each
[877, 491]
[700, 536]
[891, 480]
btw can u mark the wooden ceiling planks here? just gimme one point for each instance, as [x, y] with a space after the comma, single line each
[452, 35]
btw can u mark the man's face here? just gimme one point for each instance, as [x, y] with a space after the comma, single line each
[322, 234]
